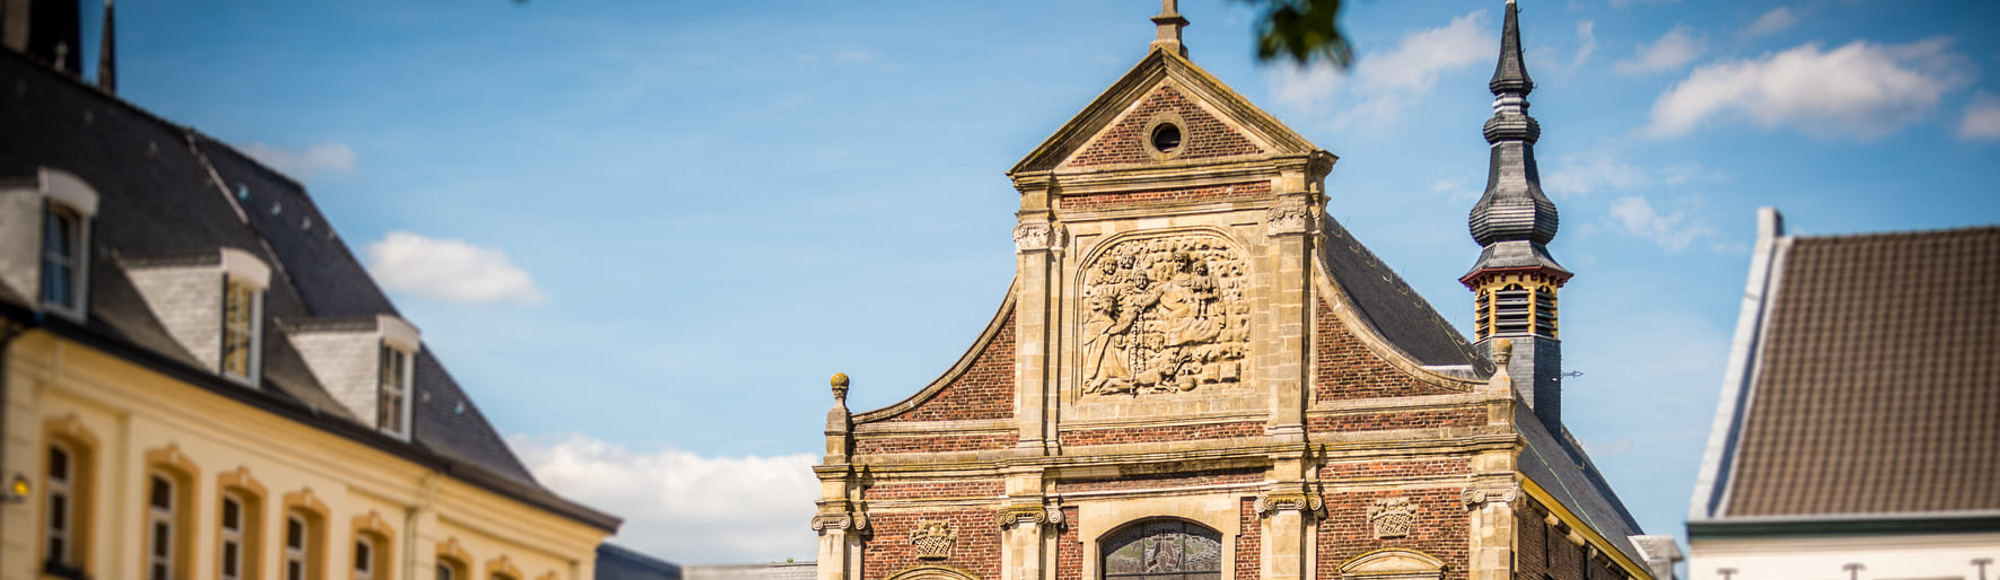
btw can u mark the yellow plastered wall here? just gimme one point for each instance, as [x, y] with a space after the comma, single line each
[138, 421]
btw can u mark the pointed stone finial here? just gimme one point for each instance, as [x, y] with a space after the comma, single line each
[1170, 24]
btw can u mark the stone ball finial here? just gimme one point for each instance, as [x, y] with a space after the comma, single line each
[1503, 351]
[840, 386]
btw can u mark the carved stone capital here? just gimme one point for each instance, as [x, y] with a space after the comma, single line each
[1475, 498]
[1024, 514]
[855, 520]
[1291, 215]
[1030, 237]
[1271, 503]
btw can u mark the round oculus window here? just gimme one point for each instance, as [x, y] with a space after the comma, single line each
[1166, 138]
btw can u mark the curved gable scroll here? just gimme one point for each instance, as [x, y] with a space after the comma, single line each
[980, 385]
[1393, 564]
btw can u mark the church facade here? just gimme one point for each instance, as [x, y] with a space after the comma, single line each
[1199, 374]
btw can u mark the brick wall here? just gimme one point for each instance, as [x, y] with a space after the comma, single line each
[1544, 549]
[1226, 192]
[888, 551]
[1085, 437]
[1069, 549]
[936, 490]
[1397, 420]
[1348, 370]
[1371, 470]
[984, 391]
[1249, 544]
[1202, 135]
[1441, 530]
[874, 445]
[1124, 482]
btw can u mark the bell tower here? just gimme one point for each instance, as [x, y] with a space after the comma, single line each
[1514, 283]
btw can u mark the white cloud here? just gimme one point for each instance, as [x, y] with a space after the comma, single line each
[1778, 19]
[1982, 118]
[1859, 90]
[1586, 39]
[685, 507]
[1673, 50]
[450, 270]
[1579, 175]
[1673, 232]
[314, 159]
[1384, 82]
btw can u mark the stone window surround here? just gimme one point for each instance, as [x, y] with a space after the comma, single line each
[238, 266]
[61, 191]
[1097, 521]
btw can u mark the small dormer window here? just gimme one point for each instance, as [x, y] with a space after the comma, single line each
[62, 232]
[392, 400]
[242, 308]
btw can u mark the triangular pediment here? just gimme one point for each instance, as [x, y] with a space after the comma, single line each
[1215, 122]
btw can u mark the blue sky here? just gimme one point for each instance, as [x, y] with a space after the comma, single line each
[644, 233]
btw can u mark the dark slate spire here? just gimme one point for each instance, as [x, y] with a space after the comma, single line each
[107, 53]
[1513, 220]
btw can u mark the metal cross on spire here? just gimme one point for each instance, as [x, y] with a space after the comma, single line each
[1170, 24]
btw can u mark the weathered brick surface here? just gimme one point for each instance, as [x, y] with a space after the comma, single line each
[1202, 135]
[888, 550]
[937, 490]
[1372, 470]
[984, 391]
[1397, 420]
[1440, 530]
[933, 443]
[1226, 192]
[1069, 549]
[1545, 549]
[1163, 481]
[1164, 434]
[1348, 370]
[1249, 544]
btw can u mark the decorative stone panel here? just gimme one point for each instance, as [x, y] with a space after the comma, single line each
[1163, 315]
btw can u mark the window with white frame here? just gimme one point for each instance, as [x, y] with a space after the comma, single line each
[392, 400]
[232, 532]
[160, 528]
[364, 558]
[60, 548]
[295, 547]
[242, 306]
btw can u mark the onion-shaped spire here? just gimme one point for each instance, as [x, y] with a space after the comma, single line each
[1514, 209]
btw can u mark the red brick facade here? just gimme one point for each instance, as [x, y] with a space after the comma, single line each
[977, 549]
[1227, 192]
[1394, 469]
[879, 445]
[936, 490]
[1202, 135]
[1069, 550]
[1398, 420]
[1165, 481]
[1441, 529]
[1249, 545]
[1544, 549]
[1086, 437]
[1348, 370]
[984, 391]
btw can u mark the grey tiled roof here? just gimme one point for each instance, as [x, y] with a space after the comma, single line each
[618, 563]
[1558, 464]
[158, 197]
[1396, 311]
[1877, 388]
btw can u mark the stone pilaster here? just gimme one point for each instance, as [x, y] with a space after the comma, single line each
[1025, 531]
[1289, 224]
[1038, 244]
[840, 522]
[1288, 518]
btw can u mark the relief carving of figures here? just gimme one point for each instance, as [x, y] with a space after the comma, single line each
[1164, 315]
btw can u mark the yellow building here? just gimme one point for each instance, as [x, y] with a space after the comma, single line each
[200, 380]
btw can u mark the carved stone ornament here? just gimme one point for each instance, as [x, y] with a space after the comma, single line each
[1022, 514]
[1164, 315]
[1392, 518]
[1290, 215]
[1290, 501]
[933, 539]
[1474, 497]
[1039, 236]
[840, 521]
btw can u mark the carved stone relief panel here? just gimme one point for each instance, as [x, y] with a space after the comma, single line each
[933, 539]
[1393, 517]
[1163, 315]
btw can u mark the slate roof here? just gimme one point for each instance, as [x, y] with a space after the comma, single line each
[618, 563]
[1557, 463]
[1876, 385]
[1397, 312]
[167, 189]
